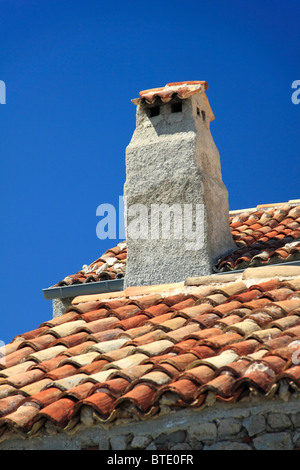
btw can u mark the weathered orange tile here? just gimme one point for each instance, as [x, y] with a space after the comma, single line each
[115, 386]
[45, 397]
[221, 385]
[181, 361]
[185, 388]
[60, 412]
[16, 357]
[26, 378]
[141, 396]
[23, 418]
[102, 402]
[10, 404]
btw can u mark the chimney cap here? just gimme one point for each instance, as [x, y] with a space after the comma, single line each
[194, 82]
[181, 90]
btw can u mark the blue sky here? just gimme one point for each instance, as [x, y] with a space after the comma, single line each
[71, 68]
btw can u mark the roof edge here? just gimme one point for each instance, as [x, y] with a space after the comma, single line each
[64, 292]
[291, 202]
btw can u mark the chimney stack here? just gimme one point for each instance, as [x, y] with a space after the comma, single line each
[176, 204]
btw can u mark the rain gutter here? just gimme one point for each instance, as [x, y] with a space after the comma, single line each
[89, 288]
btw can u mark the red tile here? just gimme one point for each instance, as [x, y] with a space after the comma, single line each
[15, 357]
[276, 363]
[64, 371]
[93, 368]
[184, 304]
[226, 308]
[79, 349]
[106, 335]
[225, 339]
[257, 379]
[113, 304]
[125, 312]
[206, 334]
[202, 351]
[100, 325]
[157, 310]
[199, 375]
[10, 404]
[221, 385]
[45, 397]
[278, 342]
[229, 320]
[94, 315]
[168, 369]
[34, 333]
[261, 318]
[246, 296]
[26, 378]
[243, 348]
[161, 318]
[206, 320]
[185, 388]
[141, 396]
[154, 360]
[278, 294]
[73, 340]
[115, 387]
[21, 419]
[237, 368]
[294, 331]
[257, 303]
[292, 373]
[47, 366]
[65, 318]
[289, 305]
[42, 342]
[146, 301]
[148, 338]
[184, 346]
[181, 361]
[60, 412]
[132, 322]
[80, 392]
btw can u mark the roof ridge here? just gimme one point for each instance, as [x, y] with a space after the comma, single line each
[291, 202]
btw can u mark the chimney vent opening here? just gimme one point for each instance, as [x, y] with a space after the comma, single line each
[176, 107]
[154, 111]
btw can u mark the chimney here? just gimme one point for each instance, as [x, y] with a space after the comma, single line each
[176, 204]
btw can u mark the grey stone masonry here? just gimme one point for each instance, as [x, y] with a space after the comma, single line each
[257, 424]
[176, 204]
[60, 305]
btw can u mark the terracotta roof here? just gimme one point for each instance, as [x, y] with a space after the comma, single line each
[171, 91]
[264, 235]
[111, 265]
[150, 350]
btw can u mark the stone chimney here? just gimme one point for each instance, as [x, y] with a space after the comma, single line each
[176, 205]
